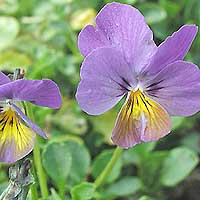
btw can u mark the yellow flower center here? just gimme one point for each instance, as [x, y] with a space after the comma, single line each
[15, 138]
[140, 119]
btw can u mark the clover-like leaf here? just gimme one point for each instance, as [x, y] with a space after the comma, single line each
[83, 191]
[124, 187]
[57, 161]
[178, 165]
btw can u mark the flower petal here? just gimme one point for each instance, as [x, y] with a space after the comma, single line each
[174, 48]
[29, 122]
[16, 140]
[4, 79]
[40, 92]
[90, 38]
[123, 27]
[177, 88]
[140, 119]
[106, 77]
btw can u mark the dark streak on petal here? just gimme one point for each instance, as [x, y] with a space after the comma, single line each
[154, 84]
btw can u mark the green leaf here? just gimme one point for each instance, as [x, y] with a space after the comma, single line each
[178, 165]
[83, 191]
[153, 13]
[177, 121]
[146, 198]
[57, 160]
[86, 3]
[100, 163]
[80, 161]
[102, 126]
[124, 187]
[150, 169]
[138, 153]
[161, 30]
[172, 8]
[9, 28]
[192, 141]
[54, 195]
[77, 124]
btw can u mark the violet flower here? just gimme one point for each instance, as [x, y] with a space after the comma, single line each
[122, 59]
[17, 139]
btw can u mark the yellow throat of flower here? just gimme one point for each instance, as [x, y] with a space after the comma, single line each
[15, 137]
[140, 119]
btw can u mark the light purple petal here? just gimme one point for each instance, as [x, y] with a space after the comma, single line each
[106, 77]
[90, 38]
[123, 27]
[29, 122]
[177, 88]
[4, 79]
[174, 48]
[40, 92]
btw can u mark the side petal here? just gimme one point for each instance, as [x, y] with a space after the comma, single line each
[106, 77]
[123, 27]
[177, 88]
[16, 140]
[40, 92]
[29, 122]
[4, 79]
[140, 120]
[174, 48]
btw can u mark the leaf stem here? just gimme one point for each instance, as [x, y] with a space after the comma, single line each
[37, 161]
[101, 178]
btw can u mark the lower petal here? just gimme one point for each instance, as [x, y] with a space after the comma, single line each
[16, 140]
[140, 119]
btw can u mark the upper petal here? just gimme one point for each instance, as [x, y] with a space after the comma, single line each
[106, 77]
[40, 92]
[124, 27]
[173, 48]
[177, 88]
[90, 38]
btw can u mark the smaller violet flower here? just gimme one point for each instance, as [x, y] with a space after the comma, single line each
[17, 131]
[122, 59]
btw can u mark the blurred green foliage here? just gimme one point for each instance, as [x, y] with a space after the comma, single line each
[41, 37]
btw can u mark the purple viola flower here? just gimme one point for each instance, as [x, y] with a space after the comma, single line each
[17, 132]
[122, 59]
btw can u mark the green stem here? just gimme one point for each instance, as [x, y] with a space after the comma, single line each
[101, 178]
[61, 190]
[40, 171]
[37, 161]
[34, 194]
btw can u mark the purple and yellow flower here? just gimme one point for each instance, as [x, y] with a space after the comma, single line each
[17, 131]
[121, 59]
